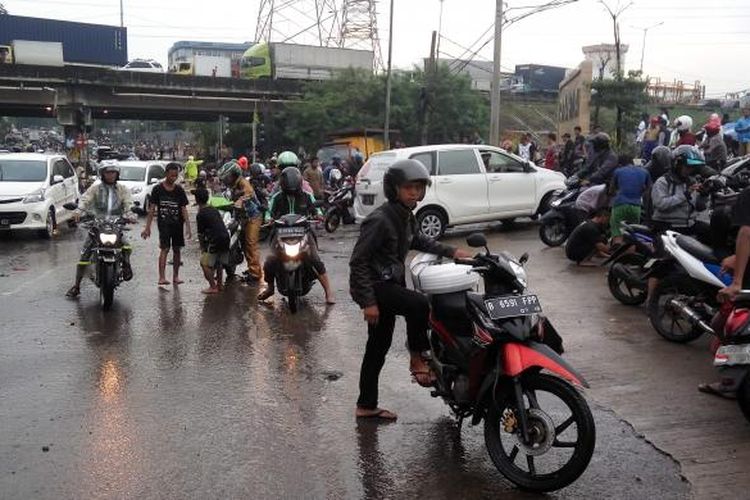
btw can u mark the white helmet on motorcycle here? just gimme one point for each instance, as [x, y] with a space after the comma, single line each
[683, 123]
[336, 175]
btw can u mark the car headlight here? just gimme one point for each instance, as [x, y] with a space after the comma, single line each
[520, 273]
[34, 197]
[136, 190]
[292, 249]
[107, 239]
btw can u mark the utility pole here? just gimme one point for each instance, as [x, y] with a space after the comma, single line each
[424, 102]
[643, 47]
[122, 23]
[389, 77]
[494, 138]
[255, 131]
[440, 28]
[220, 140]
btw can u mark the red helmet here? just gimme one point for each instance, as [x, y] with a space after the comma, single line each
[712, 127]
[243, 163]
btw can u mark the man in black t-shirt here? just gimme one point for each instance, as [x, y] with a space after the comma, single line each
[738, 262]
[168, 203]
[589, 239]
[214, 241]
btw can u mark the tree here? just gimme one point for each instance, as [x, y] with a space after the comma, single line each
[3, 10]
[625, 95]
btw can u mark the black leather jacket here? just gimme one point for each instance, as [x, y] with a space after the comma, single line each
[386, 236]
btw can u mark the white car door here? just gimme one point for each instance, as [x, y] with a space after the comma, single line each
[461, 185]
[58, 192]
[512, 185]
[71, 182]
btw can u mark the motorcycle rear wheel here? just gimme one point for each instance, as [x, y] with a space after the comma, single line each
[546, 437]
[743, 397]
[332, 222]
[619, 288]
[553, 234]
[669, 287]
[107, 287]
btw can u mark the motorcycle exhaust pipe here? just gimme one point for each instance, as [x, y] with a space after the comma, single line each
[629, 277]
[688, 313]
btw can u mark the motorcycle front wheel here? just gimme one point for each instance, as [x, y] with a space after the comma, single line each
[333, 219]
[107, 282]
[625, 292]
[554, 233]
[743, 397]
[293, 300]
[562, 434]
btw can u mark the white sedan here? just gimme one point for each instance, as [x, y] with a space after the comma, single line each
[470, 184]
[143, 66]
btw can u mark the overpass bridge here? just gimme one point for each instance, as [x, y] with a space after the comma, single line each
[76, 94]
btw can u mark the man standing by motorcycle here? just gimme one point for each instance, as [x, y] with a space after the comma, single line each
[291, 199]
[168, 203]
[243, 195]
[377, 281]
[109, 198]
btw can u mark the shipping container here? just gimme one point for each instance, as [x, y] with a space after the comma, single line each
[83, 43]
[540, 78]
[301, 62]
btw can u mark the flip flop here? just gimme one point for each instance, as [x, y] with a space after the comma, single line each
[165, 282]
[415, 377]
[380, 414]
[711, 389]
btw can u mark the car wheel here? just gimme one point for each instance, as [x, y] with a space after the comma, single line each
[49, 225]
[146, 202]
[431, 223]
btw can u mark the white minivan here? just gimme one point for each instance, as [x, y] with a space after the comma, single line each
[470, 183]
[33, 189]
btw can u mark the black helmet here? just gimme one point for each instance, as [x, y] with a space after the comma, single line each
[600, 141]
[401, 172]
[291, 180]
[661, 156]
[256, 170]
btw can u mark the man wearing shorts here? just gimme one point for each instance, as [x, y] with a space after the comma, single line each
[629, 183]
[214, 241]
[168, 203]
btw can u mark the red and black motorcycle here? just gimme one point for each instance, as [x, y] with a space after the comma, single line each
[497, 359]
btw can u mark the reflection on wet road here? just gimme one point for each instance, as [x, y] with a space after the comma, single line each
[173, 394]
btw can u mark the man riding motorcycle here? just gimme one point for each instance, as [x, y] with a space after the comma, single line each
[102, 200]
[291, 199]
[243, 195]
[602, 162]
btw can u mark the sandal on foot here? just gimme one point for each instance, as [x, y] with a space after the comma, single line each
[429, 381]
[73, 292]
[714, 390]
[379, 413]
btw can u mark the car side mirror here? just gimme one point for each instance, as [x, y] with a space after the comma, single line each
[528, 167]
[153, 180]
[57, 179]
[476, 240]
[70, 206]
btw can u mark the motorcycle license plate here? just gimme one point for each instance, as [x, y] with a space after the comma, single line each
[291, 231]
[649, 264]
[510, 306]
[368, 199]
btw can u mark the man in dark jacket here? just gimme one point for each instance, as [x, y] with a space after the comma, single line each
[378, 285]
[603, 161]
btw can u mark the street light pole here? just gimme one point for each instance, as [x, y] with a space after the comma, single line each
[122, 23]
[496, 75]
[643, 47]
[388, 77]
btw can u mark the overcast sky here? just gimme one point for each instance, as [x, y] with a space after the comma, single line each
[699, 40]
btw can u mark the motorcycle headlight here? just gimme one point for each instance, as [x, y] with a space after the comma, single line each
[520, 273]
[555, 203]
[107, 239]
[292, 249]
[136, 189]
[34, 197]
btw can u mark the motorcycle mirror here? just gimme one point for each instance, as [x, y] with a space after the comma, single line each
[70, 206]
[524, 258]
[138, 211]
[476, 240]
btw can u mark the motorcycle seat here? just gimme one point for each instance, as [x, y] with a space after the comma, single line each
[639, 228]
[697, 249]
[450, 309]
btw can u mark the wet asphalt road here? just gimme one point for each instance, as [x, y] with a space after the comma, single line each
[176, 395]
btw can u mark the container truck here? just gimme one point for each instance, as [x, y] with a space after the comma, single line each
[205, 66]
[301, 62]
[39, 53]
[82, 43]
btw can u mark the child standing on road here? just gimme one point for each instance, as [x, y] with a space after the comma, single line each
[214, 242]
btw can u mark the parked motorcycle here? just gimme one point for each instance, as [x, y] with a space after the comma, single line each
[631, 265]
[684, 301]
[294, 277]
[732, 359]
[562, 217]
[339, 204]
[107, 253]
[488, 353]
